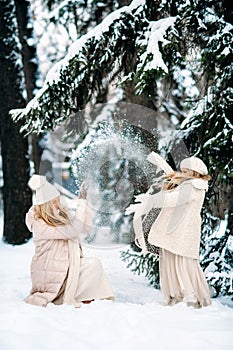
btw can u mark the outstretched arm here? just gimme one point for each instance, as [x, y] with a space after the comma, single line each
[156, 159]
[163, 199]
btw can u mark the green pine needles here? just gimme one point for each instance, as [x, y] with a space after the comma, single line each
[146, 264]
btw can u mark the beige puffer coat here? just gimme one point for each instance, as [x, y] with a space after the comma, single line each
[50, 263]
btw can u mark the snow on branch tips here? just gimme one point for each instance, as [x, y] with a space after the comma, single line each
[154, 35]
[151, 59]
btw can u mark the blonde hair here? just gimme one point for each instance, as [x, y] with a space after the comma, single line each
[51, 215]
[176, 178]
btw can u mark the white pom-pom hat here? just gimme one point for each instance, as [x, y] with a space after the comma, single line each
[194, 163]
[45, 191]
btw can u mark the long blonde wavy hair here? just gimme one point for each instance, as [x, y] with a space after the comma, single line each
[52, 215]
[174, 179]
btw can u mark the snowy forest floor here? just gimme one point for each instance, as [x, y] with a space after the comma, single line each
[136, 320]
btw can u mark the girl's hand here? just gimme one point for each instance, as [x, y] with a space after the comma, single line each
[140, 198]
[83, 190]
[131, 209]
[144, 203]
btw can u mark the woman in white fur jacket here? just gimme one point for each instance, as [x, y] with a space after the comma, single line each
[176, 230]
[60, 273]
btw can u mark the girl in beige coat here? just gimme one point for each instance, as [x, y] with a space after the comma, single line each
[60, 273]
[177, 230]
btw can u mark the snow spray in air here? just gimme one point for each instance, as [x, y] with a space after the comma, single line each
[101, 154]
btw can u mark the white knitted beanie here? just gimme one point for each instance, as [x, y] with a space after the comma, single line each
[194, 163]
[45, 191]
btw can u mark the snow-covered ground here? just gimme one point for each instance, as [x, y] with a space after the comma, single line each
[136, 320]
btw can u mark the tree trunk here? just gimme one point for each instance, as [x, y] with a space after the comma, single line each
[30, 65]
[16, 194]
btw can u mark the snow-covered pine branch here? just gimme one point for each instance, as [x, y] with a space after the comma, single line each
[151, 59]
[71, 83]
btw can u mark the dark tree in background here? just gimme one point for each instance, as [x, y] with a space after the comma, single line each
[30, 65]
[14, 147]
